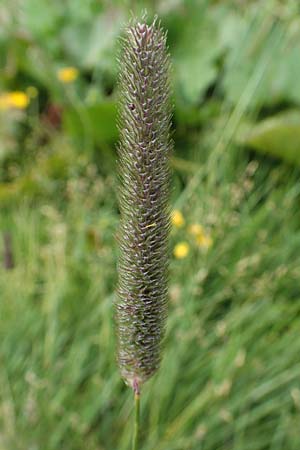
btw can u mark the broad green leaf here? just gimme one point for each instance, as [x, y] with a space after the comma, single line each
[79, 11]
[195, 55]
[284, 84]
[262, 66]
[248, 61]
[91, 44]
[278, 136]
[41, 17]
[99, 120]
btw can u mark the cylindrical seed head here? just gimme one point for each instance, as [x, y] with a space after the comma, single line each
[144, 174]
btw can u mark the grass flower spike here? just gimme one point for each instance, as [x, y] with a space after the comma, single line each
[144, 150]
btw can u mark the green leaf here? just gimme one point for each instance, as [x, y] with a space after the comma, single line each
[248, 62]
[92, 44]
[262, 66]
[195, 55]
[41, 17]
[278, 136]
[99, 120]
[284, 85]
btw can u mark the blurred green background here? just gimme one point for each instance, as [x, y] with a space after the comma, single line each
[230, 377]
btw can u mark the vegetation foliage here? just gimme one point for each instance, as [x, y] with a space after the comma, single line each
[230, 375]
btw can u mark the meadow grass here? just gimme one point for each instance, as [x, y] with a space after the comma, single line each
[230, 374]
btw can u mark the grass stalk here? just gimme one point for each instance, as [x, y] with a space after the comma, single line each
[136, 430]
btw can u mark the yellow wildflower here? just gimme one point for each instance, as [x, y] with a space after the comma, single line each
[177, 219]
[181, 250]
[196, 229]
[14, 99]
[202, 238]
[67, 74]
[204, 241]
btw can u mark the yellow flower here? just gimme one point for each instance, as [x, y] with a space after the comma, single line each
[204, 241]
[181, 250]
[67, 74]
[196, 229]
[202, 238]
[177, 219]
[14, 99]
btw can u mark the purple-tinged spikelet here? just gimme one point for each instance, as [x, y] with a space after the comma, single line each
[144, 151]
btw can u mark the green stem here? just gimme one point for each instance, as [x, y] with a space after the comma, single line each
[136, 431]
